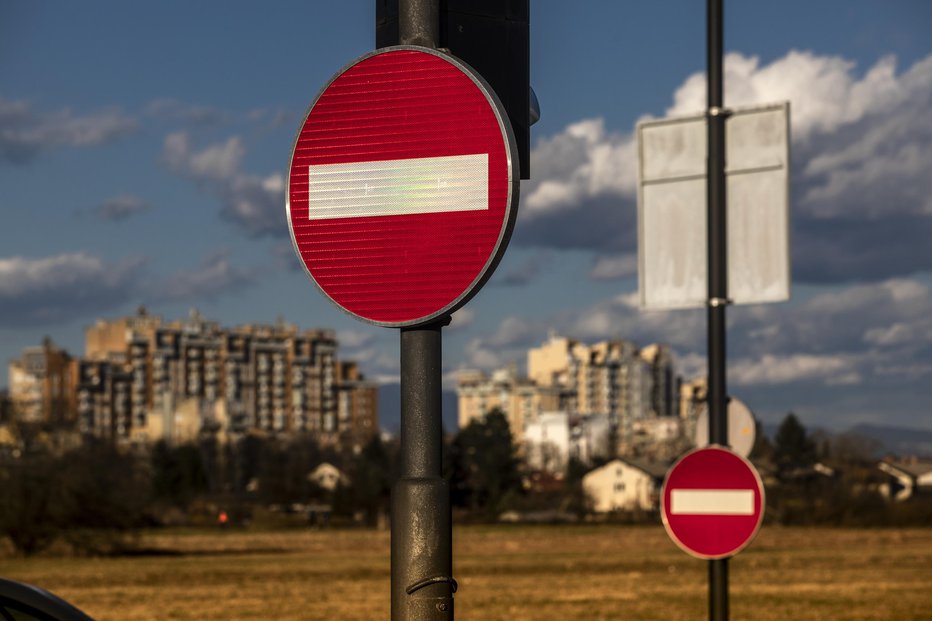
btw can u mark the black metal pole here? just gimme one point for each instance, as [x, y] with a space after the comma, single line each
[422, 584]
[717, 276]
[419, 22]
[422, 530]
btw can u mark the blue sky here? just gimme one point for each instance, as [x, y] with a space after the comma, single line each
[143, 148]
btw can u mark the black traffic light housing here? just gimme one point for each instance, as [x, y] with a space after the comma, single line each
[491, 36]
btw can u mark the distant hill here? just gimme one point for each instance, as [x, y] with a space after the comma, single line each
[897, 440]
[902, 441]
[390, 409]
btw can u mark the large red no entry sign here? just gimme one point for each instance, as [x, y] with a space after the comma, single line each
[712, 502]
[403, 186]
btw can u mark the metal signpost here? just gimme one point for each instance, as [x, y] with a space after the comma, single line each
[696, 216]
[712, 503]
[402, 194]
[718, 278]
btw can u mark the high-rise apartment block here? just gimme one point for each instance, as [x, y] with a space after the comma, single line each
[143, 379]
[42, 384]
[613, 379]
[605, 378]
[519, 399]
[663, 396]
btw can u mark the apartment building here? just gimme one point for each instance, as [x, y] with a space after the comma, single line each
[664, 385]
[357, 401]
[692, 398]
[608, 378]
[41, 385]
[518, 398]
[611, 379]
[143, 378]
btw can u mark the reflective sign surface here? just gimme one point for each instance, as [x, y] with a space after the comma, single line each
[712, 503]
[402, 186]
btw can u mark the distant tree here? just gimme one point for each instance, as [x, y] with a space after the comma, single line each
[371, 481]
[793, 448]
[102, 498]
[93, 497]
[178, 473]
[247, 455]
[577, 501]
[27, 512]
[763, 450]
[283, 468]
[483, 467]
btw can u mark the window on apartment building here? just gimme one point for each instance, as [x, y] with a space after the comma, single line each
[619, 488]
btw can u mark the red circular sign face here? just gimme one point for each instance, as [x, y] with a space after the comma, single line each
[402, 186]
[712, 502]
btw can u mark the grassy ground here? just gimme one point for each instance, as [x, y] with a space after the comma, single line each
[505, 572]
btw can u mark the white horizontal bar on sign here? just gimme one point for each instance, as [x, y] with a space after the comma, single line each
[712, 502]
[399, 187]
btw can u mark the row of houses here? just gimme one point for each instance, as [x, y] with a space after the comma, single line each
[143, 378]
[632, 485]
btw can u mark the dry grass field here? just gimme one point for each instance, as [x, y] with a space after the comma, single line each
[538, 573]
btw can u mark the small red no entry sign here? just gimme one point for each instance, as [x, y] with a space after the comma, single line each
[403, 186]
[712, 502]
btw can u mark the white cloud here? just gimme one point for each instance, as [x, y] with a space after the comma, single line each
[508, 344]
[121, 207]
[174, 109]
[215, 276]
[690, 365]
[909, 372]
[857, 334]
[273, 118]
[376, 352]
[621, 317]
[895, 334]
[254, 203]
[524, 272]
[774, 370]
[354, 339]
[901, 292]
[219, 162]
[379, 365]
[25, 132]
[462, 319]
[582, 161]
[841, 337]
[480, 356]
[614, 267]
[62, 287]
[861, 149]
[866, 141]
[823, 91]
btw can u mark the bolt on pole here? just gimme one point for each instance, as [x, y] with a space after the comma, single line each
[422, 584]
[717, 276]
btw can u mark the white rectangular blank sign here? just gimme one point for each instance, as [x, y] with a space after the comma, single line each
[672, 214]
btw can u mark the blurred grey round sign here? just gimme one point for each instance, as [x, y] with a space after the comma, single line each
[742, 430]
